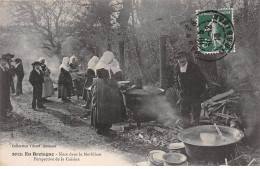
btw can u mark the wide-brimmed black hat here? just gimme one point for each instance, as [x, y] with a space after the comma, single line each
[7, 57]
[182, 54]
[36, 63]
[17, 60]
[3, 58]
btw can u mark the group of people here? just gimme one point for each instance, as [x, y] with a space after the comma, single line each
[100, 90]
[42, 83]
[9, 68]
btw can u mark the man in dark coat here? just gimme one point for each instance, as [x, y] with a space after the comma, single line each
[20, 75]
[191, 84]
[8, 57]
[5, 83]
[36, 79]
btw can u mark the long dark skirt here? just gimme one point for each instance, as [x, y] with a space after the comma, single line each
[19, 86]
[88, 83]
[79, 86]
[63, 91]
[106, 104]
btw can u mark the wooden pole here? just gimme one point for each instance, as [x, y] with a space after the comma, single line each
[122, 57]
[163, 61]
[109, 47]
[97, 51]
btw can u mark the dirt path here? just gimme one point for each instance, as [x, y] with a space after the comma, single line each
[61, 124]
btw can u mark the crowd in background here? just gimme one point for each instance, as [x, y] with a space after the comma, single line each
[95, 82]
[9, 68]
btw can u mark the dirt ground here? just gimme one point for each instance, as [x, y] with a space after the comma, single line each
[60, 124]
[66, 126]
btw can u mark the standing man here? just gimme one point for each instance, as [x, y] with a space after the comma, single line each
[36, 79]
[20, 75]
[8, 57]
[191, 84]
[5, 83]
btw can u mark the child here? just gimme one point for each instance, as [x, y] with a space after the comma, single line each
[36, 79]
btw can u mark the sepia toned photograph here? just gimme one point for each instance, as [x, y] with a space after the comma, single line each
[129, 83]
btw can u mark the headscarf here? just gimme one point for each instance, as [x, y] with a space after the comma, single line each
[93, 62]
[114, 66]
[64, 63]
[104, 61]
[42, 58]
[71, 58]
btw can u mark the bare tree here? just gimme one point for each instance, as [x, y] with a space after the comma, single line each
[53, 21]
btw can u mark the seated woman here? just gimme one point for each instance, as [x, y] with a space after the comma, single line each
[65, 86]
[107, 100]
[47, 87]
[90, 74]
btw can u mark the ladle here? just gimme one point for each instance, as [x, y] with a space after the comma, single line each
[218, 130]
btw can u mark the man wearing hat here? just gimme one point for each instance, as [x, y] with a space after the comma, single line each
[5, 83]
[9, 58]
[36, 79]
[191, 84]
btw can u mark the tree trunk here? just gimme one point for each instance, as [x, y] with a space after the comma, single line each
[218, 4]
[163, 62]
[97, 51]
[109, 47]
[245, 18]
[58, 50]
[122, 57]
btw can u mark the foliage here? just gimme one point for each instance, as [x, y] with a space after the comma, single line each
[52, 21]
[101, 24]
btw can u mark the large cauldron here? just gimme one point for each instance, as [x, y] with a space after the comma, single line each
[139, 101]
[203, 142]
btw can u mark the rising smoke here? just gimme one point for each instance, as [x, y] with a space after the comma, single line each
[28, 48]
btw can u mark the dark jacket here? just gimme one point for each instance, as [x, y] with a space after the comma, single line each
[19, 71]
[5, 83]
[43, 66]
[12, 70]
[118, 76]
[192, 83]
[103, 73]
[65, 78]
[35, 78]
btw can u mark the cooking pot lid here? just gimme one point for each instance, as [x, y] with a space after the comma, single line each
[207, 135]
[174, 158]
[155, 157]
[123, 82]
[176, 146]
[145, 90]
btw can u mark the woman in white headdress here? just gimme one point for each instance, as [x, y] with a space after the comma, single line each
[107, 99]
[73, 64]
[65, 86]
[47, 87]
[90, 74]
[102, 69]
[116, 71]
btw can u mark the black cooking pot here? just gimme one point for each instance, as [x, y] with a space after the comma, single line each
[203, 142]
[139, 102]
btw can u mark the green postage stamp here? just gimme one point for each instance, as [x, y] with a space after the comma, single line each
[215, 31]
